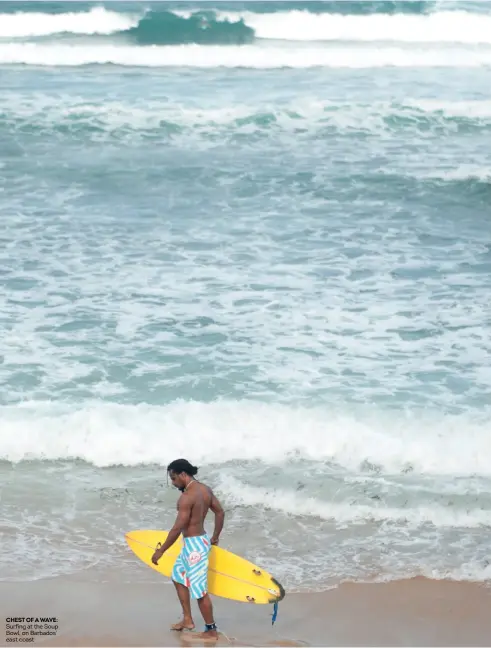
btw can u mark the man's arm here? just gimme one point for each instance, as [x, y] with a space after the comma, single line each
[217, 509]
[182, 520]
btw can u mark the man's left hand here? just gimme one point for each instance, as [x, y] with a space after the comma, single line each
[157, 556]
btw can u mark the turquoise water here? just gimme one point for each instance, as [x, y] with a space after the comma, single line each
[255, 235]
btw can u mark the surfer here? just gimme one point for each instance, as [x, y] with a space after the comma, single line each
[190, 572]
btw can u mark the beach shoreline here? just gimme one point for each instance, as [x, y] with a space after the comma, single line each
[416, 612]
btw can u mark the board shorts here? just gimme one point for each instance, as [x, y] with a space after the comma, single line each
[191, 566]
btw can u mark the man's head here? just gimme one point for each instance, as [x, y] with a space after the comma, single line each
[181, 472]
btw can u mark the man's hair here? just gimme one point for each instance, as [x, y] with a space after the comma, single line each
[182, 466]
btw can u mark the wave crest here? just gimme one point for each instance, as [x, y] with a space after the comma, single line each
[201, 28]
[217, 27]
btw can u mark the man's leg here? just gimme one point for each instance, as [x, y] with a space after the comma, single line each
[187, 622]
[199, 590]
[206, 609]
[179, 578]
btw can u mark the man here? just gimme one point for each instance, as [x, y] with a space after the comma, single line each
[190, 573]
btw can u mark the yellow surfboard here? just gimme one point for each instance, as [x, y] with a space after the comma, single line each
[229, 575]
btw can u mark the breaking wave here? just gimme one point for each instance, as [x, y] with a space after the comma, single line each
[212, 27]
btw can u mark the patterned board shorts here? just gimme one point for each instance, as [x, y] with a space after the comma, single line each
[191, 566]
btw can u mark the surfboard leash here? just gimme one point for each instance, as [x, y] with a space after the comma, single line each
[275, 613]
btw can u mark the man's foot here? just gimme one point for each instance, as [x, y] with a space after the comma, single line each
[185, 624]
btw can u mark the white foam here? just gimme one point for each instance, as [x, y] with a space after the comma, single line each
[309, 112]
[300, 338]
[295, 25]
[439, 27]
[110, 434]
[290, 503]
[96, 21]
[468, 571]
[461, 172]
[472, 109]
[250, 56]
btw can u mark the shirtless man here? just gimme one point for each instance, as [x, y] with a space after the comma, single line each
[190, 573]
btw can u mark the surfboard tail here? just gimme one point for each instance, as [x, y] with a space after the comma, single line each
[281, 588]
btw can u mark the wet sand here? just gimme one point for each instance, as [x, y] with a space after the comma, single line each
[415, 612]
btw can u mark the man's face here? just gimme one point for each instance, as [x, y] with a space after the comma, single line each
[177, 480]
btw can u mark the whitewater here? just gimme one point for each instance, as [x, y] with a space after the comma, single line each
[255, 236]
[295, 38]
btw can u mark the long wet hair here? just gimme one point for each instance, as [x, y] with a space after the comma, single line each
[182, 466]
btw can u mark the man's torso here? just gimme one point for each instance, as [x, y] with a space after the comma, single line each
[200, 500]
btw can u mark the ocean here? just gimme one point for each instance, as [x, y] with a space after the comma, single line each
[255, 235]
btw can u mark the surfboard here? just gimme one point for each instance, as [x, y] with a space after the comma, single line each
[229, 575]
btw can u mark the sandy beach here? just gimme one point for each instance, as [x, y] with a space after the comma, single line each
[415, 612]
